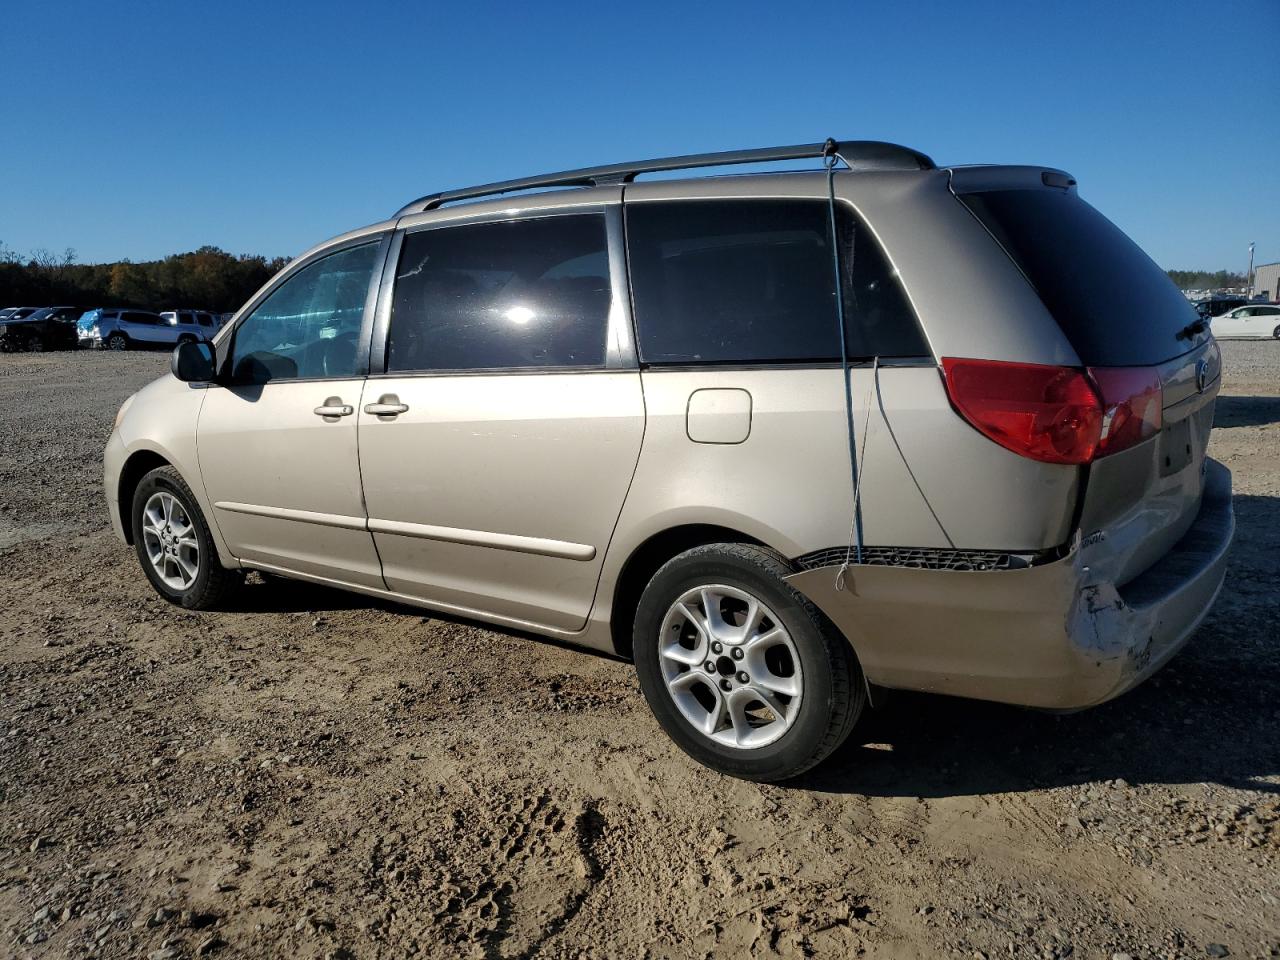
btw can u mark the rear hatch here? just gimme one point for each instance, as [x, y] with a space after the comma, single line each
[1126, 320]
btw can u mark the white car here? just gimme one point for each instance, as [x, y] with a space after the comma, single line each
[1255, 320]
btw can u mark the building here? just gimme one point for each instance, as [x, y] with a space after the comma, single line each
[1266, 281]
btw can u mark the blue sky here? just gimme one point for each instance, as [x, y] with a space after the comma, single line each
[136, 129]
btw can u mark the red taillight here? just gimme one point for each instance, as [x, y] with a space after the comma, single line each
[1132, 406]
[1047, 413]
[1057, 414]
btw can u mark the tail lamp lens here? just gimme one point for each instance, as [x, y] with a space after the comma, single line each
[1132, 406]
[1047, 413]
[1056, 414]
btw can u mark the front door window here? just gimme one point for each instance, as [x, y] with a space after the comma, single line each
[309, 327]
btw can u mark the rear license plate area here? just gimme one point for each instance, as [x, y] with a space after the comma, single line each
[1176, 450]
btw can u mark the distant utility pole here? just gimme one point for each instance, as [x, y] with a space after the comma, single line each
[1248, 277]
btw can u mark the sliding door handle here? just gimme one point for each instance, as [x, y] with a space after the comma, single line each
[333, 408]
[388, 405]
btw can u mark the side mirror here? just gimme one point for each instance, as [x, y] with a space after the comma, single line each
[193, 362]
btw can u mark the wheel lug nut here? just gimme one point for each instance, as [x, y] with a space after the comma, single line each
[716, 647]
[726, 685]
[743, 678]
[711, 666]
[736, 652]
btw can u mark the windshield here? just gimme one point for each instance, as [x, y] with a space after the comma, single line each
[1116, 306]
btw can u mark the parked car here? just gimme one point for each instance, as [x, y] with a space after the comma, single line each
[1256, 320]
[126, 329]
[48, 328]
[636, 422]
[199, 323]
[1216, 306]
[17, 313]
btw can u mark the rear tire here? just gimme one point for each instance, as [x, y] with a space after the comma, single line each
[117, 341]
[174, 545]
[764, 687]
[1276, 333]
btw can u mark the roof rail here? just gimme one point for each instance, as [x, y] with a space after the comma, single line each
[856, 154]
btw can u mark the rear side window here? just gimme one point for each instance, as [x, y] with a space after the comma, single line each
[752, 281]
[519, 293]
[150, 319]
[1115, 305]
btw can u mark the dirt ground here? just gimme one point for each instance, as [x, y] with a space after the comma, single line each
[316, 775]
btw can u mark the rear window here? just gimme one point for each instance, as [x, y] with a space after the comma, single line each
[1116, 306]
[752, 281]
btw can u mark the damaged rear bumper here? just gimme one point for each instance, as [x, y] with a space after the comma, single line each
[1043, 636]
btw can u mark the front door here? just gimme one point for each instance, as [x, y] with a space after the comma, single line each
[277, 438]
[498, 446]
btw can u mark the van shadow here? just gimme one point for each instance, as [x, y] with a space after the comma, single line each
[1246, 411]
[265, 593]
[1211, 715]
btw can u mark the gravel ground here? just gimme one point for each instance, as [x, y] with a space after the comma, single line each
[315, 775]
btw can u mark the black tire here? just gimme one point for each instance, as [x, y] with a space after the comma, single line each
[1276, 333]
[213, 585]
[833, 689]
[35, 344]
[117, 341]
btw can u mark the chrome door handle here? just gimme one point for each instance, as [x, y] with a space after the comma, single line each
[334, 407]
[388, 405]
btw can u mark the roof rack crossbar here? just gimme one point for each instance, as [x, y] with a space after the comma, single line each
[856, 154]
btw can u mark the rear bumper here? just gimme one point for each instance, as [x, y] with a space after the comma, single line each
[1046, 636]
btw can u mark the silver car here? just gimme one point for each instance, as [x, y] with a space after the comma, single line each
[125, 329]
[783, 440]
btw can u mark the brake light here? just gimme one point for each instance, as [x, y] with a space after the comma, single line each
[1132, 406]
[1057, 414]
[1047, 413]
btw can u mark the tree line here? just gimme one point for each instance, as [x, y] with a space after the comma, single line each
[205, 279]
[1206, 279]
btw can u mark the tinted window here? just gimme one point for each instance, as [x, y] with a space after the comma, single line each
[309, 326]
[751, 281]
[150, 319]
[1111, 300]
[521, 293]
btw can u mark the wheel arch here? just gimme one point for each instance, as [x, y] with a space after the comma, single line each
[645, 560]
[137, 466]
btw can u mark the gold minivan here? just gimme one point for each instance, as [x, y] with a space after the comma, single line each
[781, 439]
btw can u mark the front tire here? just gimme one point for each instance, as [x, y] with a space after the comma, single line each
[743, 672]
[117, 341]
[174, 545]
[1276, 333]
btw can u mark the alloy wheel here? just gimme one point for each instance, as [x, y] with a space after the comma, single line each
[730, 666]
[169, 537]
